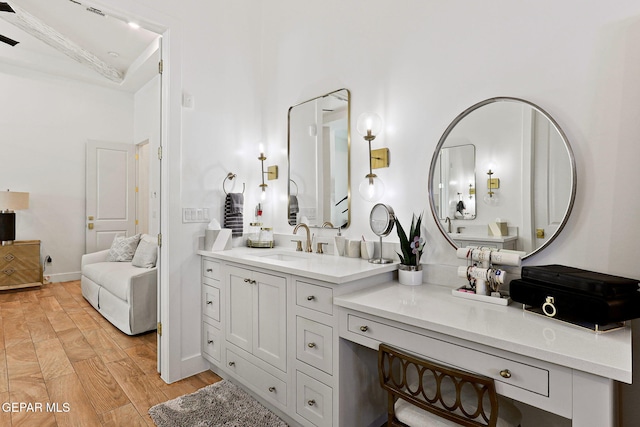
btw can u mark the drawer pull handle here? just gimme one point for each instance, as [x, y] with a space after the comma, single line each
[505, 373]
[311, 402]
[310, 298]
[209, 270]
[247, 280]
[210, 342]
[272, 389]
[232, 363]
[209, 302]
[364, 328]
[311, 345]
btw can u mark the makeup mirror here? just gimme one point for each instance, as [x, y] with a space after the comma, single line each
[381, 219]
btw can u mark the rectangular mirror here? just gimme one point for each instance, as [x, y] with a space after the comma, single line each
[319, 145]
[457, 182]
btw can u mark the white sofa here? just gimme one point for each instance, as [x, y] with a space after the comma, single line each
[125, 295]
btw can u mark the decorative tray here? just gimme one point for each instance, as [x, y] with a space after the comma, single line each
[261, 243]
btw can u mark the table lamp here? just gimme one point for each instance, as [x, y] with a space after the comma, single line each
[9, 202]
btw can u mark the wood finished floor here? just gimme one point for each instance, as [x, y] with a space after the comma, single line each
[56, 349]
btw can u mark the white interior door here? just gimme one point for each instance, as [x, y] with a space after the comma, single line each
[110, 193]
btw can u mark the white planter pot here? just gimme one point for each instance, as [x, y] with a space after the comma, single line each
[410, 274]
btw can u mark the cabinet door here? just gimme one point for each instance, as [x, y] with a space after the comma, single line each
[239, 307]
[270, 319]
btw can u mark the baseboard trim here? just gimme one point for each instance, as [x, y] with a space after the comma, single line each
[63, 277]
[193, 365]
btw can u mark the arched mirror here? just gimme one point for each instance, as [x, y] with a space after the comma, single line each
[319, 146]
[503, 175]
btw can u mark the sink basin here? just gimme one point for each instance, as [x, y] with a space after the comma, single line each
[279, 256]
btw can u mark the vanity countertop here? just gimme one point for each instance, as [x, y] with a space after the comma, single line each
[509, 328]
[326, 267]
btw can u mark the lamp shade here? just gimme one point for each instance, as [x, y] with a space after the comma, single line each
[13, 200]
[369, 124]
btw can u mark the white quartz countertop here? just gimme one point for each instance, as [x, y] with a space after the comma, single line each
[326, 267]
[509, 328]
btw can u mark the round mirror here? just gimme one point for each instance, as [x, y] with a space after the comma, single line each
[381, 219]
[503, 175]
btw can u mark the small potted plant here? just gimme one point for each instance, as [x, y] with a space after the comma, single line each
[410, 269]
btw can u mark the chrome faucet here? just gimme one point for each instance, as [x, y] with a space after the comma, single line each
[448, 222]
[306, 227]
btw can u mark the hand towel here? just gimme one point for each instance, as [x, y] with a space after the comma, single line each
[294, 208]
[233, 218]
[237, 203]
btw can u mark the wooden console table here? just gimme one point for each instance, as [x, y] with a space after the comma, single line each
[20, 265]
[543, 362]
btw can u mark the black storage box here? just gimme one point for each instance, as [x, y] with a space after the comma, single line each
[577, 295]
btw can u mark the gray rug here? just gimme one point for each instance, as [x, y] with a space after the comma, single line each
[219, 404]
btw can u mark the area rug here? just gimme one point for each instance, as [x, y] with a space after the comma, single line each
[219, 404]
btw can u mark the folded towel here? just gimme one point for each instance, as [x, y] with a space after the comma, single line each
[237, 202]
[232, 218]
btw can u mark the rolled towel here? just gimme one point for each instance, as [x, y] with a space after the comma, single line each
[294, 208]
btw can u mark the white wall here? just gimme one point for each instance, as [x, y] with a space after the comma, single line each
[45, 123]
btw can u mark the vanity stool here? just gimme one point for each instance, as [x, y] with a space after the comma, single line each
[424, 393]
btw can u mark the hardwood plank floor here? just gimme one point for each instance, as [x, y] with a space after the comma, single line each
[71, 367]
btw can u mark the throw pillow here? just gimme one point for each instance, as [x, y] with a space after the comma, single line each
[146, 255]
[123, 248]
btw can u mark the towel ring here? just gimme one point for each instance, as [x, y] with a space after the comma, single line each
[294, 183]
[230, 177]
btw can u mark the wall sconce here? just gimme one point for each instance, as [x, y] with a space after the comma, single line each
[491, 198]
[10, 201]
[371, 187]
[272, 173]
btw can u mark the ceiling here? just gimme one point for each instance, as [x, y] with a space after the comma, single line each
[68, 39]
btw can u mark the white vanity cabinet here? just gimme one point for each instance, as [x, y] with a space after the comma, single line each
[256, 314]
[316, 333]
[269, 324]
[211, 311]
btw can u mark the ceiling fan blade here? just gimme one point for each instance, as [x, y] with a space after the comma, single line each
[4, 7]
[8, 41]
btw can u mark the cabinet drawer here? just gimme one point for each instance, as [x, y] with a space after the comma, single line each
[10, 277]
[314, 400]
[314, 344]
[262, 382]
[211, 339]
[210, 269]
[211, 302]
[315, 297]
[521, 375]
[20, 257]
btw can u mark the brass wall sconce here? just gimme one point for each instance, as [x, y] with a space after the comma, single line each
[491, 197]
[272, 173]
[371, 188]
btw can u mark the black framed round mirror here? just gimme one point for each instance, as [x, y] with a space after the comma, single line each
[520, 179]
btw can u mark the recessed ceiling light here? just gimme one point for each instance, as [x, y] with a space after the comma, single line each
[114, 54]
[134, 25]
